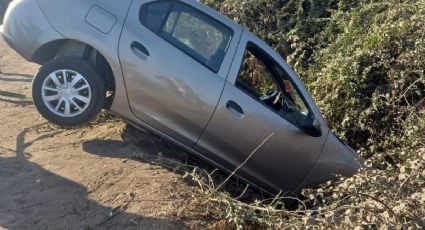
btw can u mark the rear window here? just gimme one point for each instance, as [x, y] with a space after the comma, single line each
[193, 32]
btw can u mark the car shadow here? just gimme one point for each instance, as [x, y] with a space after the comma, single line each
[135, 143]
[150, 149]
[35, 198]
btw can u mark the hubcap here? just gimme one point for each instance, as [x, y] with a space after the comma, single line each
[66, 93]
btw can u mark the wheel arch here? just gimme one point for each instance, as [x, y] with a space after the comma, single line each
[75, 48]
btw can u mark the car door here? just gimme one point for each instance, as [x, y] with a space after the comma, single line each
[175, 57]
[245, 117]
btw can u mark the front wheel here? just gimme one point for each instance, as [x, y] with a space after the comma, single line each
[68, 91]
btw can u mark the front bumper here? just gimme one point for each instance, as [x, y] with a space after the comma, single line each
[336, 160]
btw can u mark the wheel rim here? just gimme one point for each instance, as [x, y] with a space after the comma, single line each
[66, 93]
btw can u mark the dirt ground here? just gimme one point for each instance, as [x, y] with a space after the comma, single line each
[52, 178]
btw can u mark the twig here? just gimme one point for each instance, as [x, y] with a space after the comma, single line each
[133, 221]
[246, 160]
[382, 203]
[114, 212]
[243, 192]
[276, 198]
[408, 89]
[405, 181]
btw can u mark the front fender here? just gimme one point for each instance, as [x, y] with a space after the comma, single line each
[336, 160]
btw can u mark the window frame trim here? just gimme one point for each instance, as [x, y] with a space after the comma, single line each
[158, 33]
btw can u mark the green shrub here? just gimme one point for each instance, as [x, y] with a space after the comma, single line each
[371, 79]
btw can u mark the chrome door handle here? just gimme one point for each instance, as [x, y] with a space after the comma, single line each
[235, 108]
[137, 46]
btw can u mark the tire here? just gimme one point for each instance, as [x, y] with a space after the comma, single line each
[72, 103]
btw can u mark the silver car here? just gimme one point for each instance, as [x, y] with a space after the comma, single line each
[182, 71]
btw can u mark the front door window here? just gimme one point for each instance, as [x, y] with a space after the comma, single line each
[267, 82]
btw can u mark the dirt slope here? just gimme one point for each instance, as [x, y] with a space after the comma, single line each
[72, 179]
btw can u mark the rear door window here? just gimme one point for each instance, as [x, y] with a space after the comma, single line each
[190, 30]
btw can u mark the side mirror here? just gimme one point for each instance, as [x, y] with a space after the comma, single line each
[312, 126]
